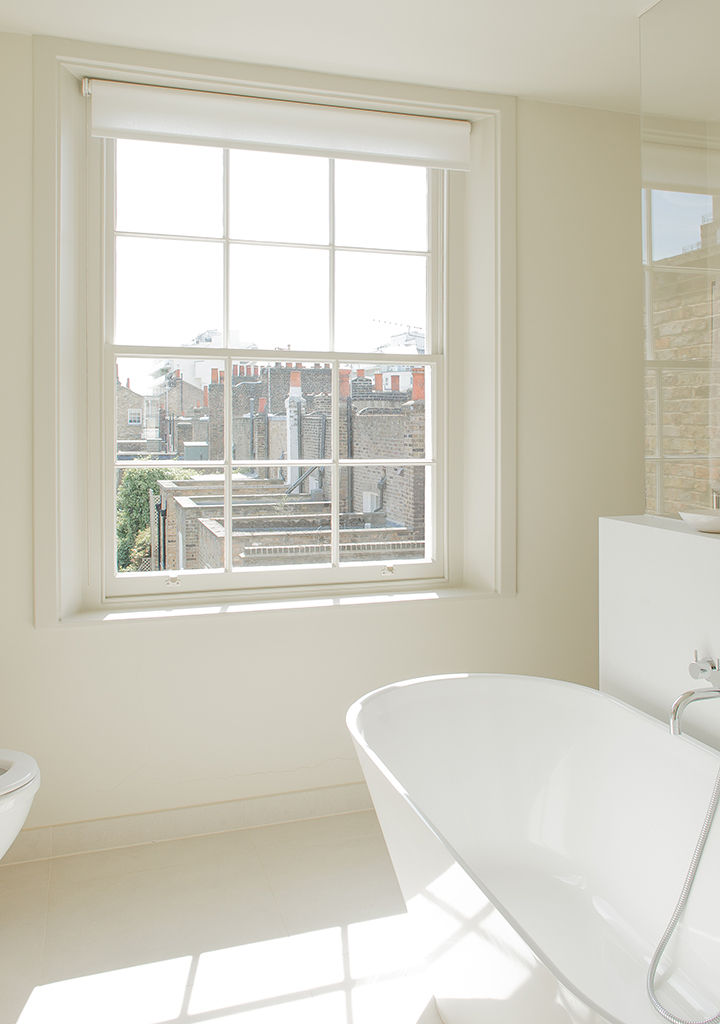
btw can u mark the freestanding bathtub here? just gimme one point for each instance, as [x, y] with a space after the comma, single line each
[541, 832]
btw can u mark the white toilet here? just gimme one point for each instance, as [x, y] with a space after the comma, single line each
[19, 782]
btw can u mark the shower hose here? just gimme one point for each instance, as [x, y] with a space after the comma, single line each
[681, 903]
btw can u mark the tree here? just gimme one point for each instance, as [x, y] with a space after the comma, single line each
[141, 550]
[133, 507]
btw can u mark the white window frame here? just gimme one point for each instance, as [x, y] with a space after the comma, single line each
[478, 391]
[101, 246]
[134, 417]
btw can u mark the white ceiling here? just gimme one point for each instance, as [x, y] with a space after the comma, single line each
[573, 51]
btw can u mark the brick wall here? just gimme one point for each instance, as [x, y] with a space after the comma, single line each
[682, 407]
[125, 401]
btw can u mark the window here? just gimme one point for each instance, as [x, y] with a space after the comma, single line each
[279, 314]
[248, 335]
[682, 285]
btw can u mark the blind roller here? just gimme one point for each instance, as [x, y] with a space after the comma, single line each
[123, 110]
[689, 168]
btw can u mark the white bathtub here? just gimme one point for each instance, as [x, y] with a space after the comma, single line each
[541, 832]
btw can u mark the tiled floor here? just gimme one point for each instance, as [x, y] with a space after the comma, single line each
[291, 924]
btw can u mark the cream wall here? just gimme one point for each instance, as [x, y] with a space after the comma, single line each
[132, 717]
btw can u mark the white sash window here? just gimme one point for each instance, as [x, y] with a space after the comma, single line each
[275, 304]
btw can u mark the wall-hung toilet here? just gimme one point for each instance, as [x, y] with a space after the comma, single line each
[19, 782]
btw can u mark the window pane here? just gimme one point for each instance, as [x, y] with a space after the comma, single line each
[380, 206]
[274, 525]
[651, 483]
[277, 197]
[382, 412]
[380, 302]
[164, 517]
[683, 231]
[281, 411]
[687, 484]
[684, 313]
[689, 421]
[651, 445]
[278, 297]
[181, 406]
[169, 189]
[168, 292]
[382, 513]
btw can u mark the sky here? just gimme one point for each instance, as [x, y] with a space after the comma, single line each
[170, 251]
[676, 220]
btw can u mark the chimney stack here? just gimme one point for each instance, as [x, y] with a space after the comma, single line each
[418, 384]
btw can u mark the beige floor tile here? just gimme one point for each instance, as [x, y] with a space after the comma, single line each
[289, 924]
[323, 875]
[24, 890]
[148, 903]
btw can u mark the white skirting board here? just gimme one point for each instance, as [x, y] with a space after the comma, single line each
[183, 822]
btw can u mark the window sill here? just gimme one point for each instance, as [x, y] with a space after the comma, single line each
[133, 612]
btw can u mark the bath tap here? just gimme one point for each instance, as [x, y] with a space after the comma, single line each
[687, 698]
[701, 668]
[698, 669]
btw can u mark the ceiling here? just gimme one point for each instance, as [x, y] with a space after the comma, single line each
[569, 51]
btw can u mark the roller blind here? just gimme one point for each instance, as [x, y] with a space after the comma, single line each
[124, 110]
[689, 168]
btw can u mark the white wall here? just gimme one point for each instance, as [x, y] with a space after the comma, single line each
[659, 601]
[130, 717]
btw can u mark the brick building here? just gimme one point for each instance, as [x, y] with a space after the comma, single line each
[682, 422]
[282, 516]
[129, 412]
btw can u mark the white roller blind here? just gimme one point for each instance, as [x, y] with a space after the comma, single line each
[123, 110]
[689, 168]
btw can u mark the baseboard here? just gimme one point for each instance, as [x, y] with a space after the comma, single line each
[184, 822]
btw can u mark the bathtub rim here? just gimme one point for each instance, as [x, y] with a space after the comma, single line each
[591, 693]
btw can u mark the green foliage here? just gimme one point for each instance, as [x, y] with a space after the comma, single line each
[133, 509]
[140, 550]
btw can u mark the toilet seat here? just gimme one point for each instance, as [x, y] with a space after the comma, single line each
[16, 770]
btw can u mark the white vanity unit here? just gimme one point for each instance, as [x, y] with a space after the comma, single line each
[659, 603]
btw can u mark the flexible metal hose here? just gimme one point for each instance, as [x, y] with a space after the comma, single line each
[684, 895]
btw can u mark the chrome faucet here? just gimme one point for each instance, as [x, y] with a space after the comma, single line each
[698, 669]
